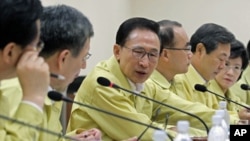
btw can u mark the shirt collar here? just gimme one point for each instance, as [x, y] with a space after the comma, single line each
[136, 87]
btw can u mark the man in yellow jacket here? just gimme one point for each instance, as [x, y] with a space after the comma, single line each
[176, 48]
[66, 33]
[211, 49]
[19, 45]
[59, 52]
[227, 77]
[211, 45]
[135, 57]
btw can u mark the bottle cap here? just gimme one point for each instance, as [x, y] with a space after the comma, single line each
[182, 126]
[160, 135]
[223, 104]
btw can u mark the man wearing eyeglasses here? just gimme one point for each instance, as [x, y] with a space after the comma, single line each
[66, 33]
[66, 52]
[175, 59]
[19, 43]
[176, 55]
[136, 55]
[211, 45]
[211, 49]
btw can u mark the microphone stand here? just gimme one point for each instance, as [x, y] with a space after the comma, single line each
[228, 99]
[56, 96]
[202, 88]
[150, 99]
[37, 128]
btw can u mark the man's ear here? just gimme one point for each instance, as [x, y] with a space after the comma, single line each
[164, 53]
[62, 57]
[116, 51]
[200, 49]
[11, 52]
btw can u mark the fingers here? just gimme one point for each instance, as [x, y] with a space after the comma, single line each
[33, 74]
[89, 135]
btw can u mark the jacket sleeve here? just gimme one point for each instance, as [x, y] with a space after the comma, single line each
[13, 131]
[115, 101]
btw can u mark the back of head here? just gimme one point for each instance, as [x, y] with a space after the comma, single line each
[210, 35]
[135, 23]
[64, 27]
[167, 32]
[18, 21]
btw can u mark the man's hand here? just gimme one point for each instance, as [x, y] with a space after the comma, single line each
[89, 135]
[33, 74]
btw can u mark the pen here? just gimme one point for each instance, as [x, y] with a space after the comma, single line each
[58, 76]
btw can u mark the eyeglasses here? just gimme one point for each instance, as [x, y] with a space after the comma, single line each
[187, 48]
[87, 56]
[236, 69]
[40, 45]
[139, 53]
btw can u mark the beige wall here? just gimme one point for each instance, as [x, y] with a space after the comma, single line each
[233, 14]
[106, 16]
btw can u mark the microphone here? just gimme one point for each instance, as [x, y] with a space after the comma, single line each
[105, 82]
[56, 96]
[155, 117]
[60, 135]
[245, 87]
[203, 88]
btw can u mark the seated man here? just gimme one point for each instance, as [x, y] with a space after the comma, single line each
[19, 45]
[176, 48]
[136, 54]
[66, 33]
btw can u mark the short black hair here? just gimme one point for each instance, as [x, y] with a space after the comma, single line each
[167, 32]
[64, 27]
[210, 35]
[135, 23]
[18, 21]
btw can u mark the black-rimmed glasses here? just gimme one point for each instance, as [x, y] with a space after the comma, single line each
[139, 53]
[187, 48]
[40, 45]
[87, 56]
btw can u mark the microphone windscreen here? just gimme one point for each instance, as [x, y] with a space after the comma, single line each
[56, 96]
[244, 86]
[200, 87]
[75, 85]
[103, 81]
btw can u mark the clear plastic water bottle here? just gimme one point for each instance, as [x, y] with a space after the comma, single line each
[160, 135]
[223, 122]
[223, 106]
[182, 129]
[216, 133]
